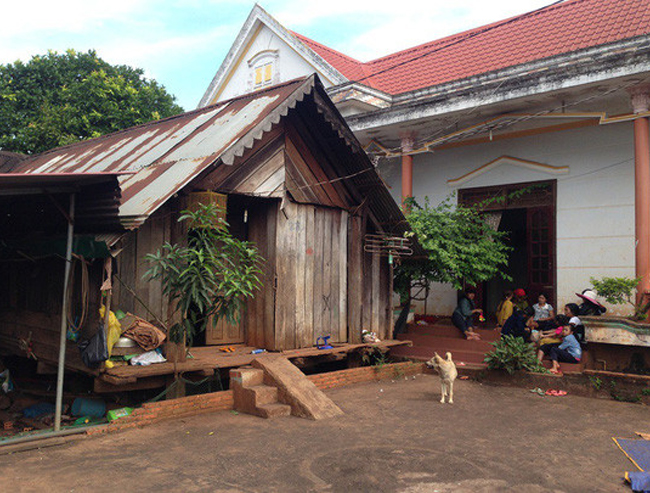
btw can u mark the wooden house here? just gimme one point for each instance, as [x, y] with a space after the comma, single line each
[294, 180]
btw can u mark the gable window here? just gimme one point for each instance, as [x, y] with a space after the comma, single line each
[263, 69]
[263, 75]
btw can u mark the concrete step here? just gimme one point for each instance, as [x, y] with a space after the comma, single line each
[451, 343]
[446, 331]
[263, 394]
[247, 376]
[568, 368]
[273, 410]
[425, 353]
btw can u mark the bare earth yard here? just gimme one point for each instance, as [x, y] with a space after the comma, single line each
[394, 437]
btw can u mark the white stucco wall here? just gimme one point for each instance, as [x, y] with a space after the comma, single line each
[290, 65]
[595, 200]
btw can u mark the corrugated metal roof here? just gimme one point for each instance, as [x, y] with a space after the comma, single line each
[165, 155]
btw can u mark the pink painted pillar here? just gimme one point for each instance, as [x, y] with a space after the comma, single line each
[641, 104]
[407, 168]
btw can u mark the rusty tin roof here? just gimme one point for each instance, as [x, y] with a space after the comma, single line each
[164, 156]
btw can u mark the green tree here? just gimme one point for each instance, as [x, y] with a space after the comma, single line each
[462, 248]
[208, 279]
[57, 99]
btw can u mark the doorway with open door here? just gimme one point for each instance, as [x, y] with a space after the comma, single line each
[526, 211]
[235, 213]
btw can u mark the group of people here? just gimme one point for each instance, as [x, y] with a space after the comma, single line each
[560, 337]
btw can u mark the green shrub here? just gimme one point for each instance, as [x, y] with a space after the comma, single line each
[513, 353]
[621, 290]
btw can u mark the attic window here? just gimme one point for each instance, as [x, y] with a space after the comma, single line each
[263, 75]
[263, 69]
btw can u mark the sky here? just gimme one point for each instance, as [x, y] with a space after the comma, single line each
[182, 43]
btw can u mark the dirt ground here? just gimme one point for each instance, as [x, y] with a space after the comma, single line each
[394, 437]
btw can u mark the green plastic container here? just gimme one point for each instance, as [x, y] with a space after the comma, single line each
[114, 414]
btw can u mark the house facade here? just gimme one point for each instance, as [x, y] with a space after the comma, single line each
[548, 109]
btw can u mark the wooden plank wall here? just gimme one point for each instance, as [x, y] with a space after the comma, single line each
[260, 310]
[30, 310]
[377, 295]
[356, 228]
[311, 268]
[132, 266]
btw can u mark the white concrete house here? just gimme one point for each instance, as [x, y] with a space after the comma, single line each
[558, 97]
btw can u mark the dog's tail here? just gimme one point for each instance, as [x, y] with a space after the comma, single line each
[448, 356]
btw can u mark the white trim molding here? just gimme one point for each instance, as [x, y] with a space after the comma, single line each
[513, 161]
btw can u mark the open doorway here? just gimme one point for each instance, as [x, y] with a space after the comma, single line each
[527, 212]
[513, 221]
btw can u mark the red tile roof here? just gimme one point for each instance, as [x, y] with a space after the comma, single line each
[563, 28]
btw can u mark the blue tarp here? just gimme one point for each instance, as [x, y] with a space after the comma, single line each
[637, 450]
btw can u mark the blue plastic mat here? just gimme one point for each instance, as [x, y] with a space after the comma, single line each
[638, 451]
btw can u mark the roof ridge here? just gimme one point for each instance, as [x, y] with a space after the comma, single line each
[325, 47]
[195, 111]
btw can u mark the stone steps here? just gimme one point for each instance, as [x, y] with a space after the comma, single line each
[252, 396]
[442, 337]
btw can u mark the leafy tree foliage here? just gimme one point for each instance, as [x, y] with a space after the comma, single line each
[621, 290]
[462, 248]
[57, 99]
[208, 279]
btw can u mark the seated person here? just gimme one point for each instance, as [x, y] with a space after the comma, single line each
[505, 308]
[463, 315]
[543, 312]
[590, 305]
[571, 310]
[519, 324]
[567, 352]
[519, 299]
[552, 337]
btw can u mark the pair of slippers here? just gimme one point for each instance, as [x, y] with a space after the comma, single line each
[549, 392]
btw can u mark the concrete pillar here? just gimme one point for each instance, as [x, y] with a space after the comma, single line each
[407, 168]
[641, 104]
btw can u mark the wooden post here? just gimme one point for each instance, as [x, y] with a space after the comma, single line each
[64, 318]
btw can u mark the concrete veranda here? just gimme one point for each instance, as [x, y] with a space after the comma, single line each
[394, 436]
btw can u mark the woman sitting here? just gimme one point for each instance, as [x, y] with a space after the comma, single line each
[519, 324]
[464, 313]
[505, 308]
[543, 312]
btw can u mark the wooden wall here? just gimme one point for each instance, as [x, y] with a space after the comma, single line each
[161, 227]
[31, 295]
[311, 268]
[260, 310]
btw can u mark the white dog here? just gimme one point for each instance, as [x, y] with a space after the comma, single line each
[448, 373]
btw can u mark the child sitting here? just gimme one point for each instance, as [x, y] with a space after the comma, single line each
[567, 352]
[546, 339]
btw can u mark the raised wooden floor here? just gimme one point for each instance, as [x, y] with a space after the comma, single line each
[205, 360]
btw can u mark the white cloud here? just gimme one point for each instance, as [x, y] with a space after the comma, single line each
[396, 27]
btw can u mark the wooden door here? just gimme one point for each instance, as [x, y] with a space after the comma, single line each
[224, 333]
[541, 253]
